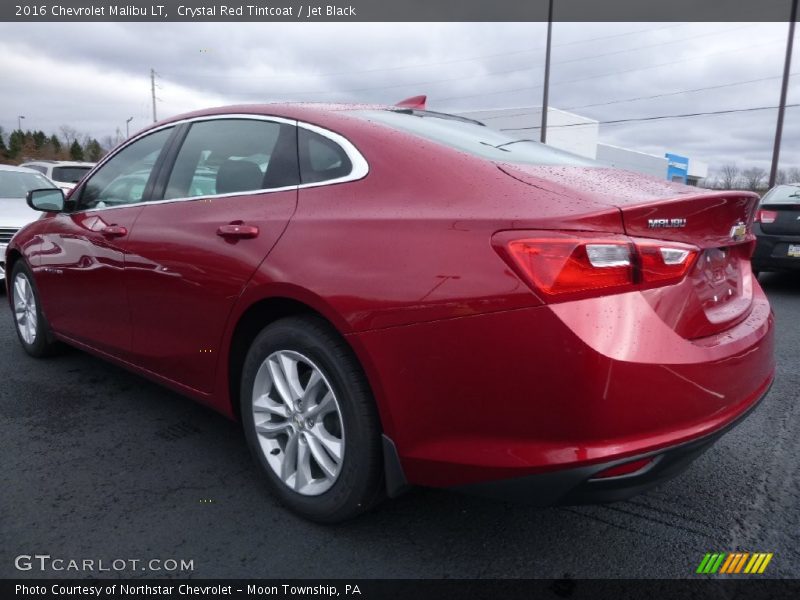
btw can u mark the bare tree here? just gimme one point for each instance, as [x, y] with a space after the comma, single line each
[729, 176]
[107, 143]
[754, 178]
[793, 175]
[68, 134]
[781, 177]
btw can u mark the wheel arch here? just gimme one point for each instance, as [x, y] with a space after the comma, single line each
[278, 302]
[262, 310]
[13, 256]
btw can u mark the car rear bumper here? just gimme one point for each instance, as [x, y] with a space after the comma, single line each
[771, 251]
[580, 485]
[575, 387]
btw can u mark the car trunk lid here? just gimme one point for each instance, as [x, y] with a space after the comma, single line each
[717, 292]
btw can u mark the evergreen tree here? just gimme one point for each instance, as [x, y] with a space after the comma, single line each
[39, 139]
[76, 151]
[15, 143]
[93, 150]
[55, 143]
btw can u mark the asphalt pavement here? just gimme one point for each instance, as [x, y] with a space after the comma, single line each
[97, 463]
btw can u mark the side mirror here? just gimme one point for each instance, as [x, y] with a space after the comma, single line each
[47, 200]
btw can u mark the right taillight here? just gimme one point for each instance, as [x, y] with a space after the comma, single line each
[663, 263]
[563, 266]
[766, 216]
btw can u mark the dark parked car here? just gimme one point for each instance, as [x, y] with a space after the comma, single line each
[388, 296]
[777, 229]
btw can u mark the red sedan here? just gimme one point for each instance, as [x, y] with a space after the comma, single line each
[388, 296]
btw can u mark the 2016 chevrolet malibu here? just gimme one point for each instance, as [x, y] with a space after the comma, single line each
[388, 296]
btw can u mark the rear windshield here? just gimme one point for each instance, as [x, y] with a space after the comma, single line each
[473, 137]
[782, 194]
[16, 184]
[69, 174]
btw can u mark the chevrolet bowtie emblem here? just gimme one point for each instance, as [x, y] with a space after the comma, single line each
[738, 232]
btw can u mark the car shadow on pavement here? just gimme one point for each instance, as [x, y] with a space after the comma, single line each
[780, 282]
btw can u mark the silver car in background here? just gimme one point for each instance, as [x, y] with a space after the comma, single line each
[15, 183]
[64, 173]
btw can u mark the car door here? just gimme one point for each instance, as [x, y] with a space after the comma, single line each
[80, 276]
[230, 193]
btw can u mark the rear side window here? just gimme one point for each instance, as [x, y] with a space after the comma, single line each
[321, 159]
[229, 156]
[70, 174]
[39, 168]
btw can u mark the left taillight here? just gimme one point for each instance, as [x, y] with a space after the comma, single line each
[766, 216]
[563, 266]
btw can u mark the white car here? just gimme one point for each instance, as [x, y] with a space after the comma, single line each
[15, 183]
[64, 173]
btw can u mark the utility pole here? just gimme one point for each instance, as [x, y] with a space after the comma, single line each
[19, 122]
[127, 128]
[543, 131]
[153, 92]
[776, 150]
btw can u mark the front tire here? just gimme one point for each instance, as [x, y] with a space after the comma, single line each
[310, 420]
[32, 328]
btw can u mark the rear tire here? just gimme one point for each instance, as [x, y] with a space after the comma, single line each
[310, 420]
[32, 327]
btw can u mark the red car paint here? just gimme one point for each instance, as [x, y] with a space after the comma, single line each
[477, 376]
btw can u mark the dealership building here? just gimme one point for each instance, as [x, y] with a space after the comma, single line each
[580, 135]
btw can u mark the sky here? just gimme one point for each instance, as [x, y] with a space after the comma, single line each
[94, 76]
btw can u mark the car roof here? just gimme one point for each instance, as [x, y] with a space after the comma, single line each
[312, 112]
[289, 110]
[60, 163]
[18, 169]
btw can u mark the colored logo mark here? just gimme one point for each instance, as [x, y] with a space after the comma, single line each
[750, 563]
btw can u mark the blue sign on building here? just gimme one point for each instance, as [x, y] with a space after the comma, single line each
[677, 167]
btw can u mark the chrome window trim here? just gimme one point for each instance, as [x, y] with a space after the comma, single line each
[360, 166]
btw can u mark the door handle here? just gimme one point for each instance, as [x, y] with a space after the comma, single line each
[112, 231]
[237, 230]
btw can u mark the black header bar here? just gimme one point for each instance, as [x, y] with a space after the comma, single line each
[227, 11]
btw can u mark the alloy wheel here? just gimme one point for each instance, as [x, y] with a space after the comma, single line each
[298, 422]
[25, 308]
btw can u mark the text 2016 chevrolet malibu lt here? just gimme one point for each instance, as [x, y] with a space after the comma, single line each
[390, 296]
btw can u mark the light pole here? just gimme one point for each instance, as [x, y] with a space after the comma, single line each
[543, 131]
[19, 122]
[776, 150]
[127, 128]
